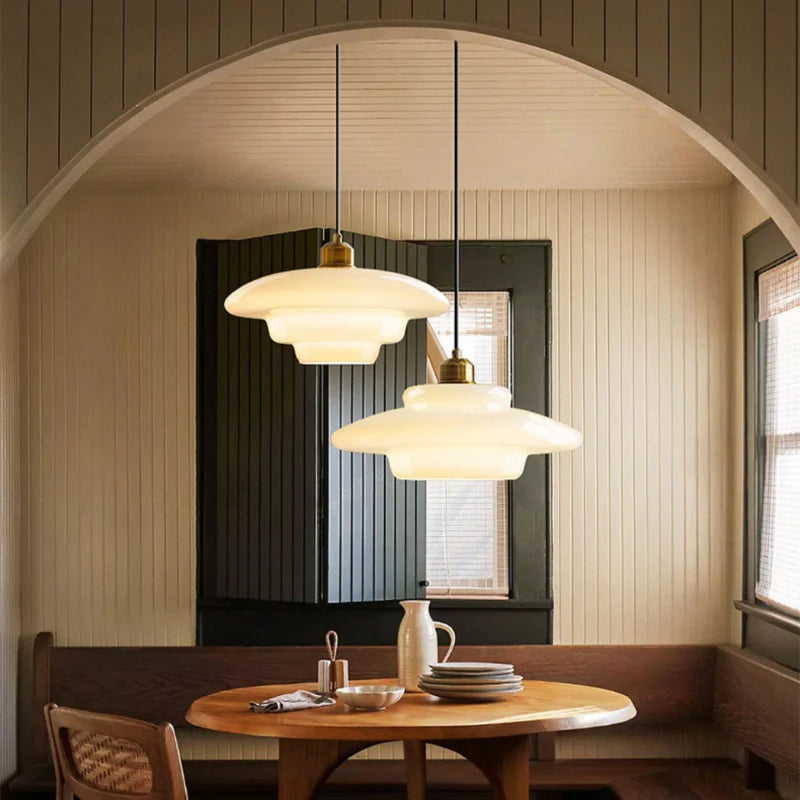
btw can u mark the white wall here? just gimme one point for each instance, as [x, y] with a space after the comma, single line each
[9, 515]
[642, 364]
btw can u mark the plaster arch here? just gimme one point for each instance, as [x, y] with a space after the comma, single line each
[764, 186]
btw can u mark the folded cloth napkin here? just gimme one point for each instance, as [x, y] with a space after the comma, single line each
[296, 701]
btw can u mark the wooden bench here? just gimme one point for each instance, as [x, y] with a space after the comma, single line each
[668, 684]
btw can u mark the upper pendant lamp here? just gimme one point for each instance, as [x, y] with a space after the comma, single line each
[456, 429]
[336, 313]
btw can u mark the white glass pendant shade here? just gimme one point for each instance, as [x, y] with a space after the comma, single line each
[336, 314]
[452, 431]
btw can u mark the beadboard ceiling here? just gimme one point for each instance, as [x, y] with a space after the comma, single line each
[526, 122]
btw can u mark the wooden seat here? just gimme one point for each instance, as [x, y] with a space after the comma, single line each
[107, 757]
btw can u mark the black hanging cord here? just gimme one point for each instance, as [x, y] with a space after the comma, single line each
[456, 260]
[338, 157]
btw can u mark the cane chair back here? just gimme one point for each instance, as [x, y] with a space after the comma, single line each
[106, 757]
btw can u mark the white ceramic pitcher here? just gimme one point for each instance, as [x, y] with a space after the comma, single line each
[416, 643]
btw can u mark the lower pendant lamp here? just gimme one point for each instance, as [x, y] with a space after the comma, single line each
[336, 313]
[456, 429]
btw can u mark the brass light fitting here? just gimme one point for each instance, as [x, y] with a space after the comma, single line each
[336, 253]
[457, 369]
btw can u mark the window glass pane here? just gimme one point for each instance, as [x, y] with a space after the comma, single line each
[779, 535]
[467, 521]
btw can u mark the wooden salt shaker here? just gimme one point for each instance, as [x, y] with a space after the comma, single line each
[332, 673]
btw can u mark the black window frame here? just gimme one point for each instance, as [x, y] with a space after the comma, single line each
[766, 630]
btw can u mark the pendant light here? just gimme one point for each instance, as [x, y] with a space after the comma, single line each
[336, 313]
[456, 429]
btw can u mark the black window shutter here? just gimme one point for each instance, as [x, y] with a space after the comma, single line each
[282, 515]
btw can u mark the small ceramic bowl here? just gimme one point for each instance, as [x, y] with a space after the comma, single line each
[370, 698]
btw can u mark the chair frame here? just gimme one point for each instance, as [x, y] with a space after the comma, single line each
[158, 742]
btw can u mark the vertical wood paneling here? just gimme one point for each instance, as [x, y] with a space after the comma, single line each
[139, 61]
[203, 32]
[43, 87]
[524, 16]
[298, 15]
[639, 354]
[171, 35]
[13, 110]
[748, 76]
[331, 12]
[395, 9]
[556, 19]
[652, 45]
[107, 59]
[589, 28]
[267, 19]
[234, 26]
[492, 14]
[363, 9]
[684, 53]
[621, 35]
[76, 77]
[429, 9]
[716, 69]
[459, 10]
[10, 540]
[780, 93]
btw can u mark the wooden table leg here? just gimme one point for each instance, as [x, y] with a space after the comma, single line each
[305, 764]
[504, 762]
[416, 778]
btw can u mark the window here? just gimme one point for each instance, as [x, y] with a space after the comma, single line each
[467, 521]
[778, 578]
[770, 603]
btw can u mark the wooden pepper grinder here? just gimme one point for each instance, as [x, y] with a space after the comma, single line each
[332, 673]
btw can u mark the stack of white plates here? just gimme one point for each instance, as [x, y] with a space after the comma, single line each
[471, 680]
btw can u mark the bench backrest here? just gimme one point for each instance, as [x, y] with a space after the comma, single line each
[668, 684]
[757, 702]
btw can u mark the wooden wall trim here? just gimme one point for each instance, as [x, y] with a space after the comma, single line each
[661, 56]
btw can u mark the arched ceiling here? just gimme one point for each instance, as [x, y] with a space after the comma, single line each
[526, 123]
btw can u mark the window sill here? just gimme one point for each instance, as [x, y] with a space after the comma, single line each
[772, 615]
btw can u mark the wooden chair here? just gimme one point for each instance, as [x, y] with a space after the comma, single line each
[106, 757]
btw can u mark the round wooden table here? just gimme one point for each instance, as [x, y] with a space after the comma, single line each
[493, 736]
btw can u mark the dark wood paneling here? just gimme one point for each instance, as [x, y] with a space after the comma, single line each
[76, 77]
[556, 19]
[460, 11]
[668, 684]
[684, 54]
[780, 93]
[234, 26]
[621, 36]
[396, 9]
[171, 55]
[267, 19]
[429, 9]
[589, 29]
[524, 16]
[492, 14]
[13, 110]
[331, 12]
[43, 99]
[748, 77]
[758, 703]
[203, 33]
[716, 68]
[139, 60]
[298, 15]
[652, 45]
[363, 9]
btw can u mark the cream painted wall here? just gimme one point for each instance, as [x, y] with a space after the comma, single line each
[9, 516]
[641, 363]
